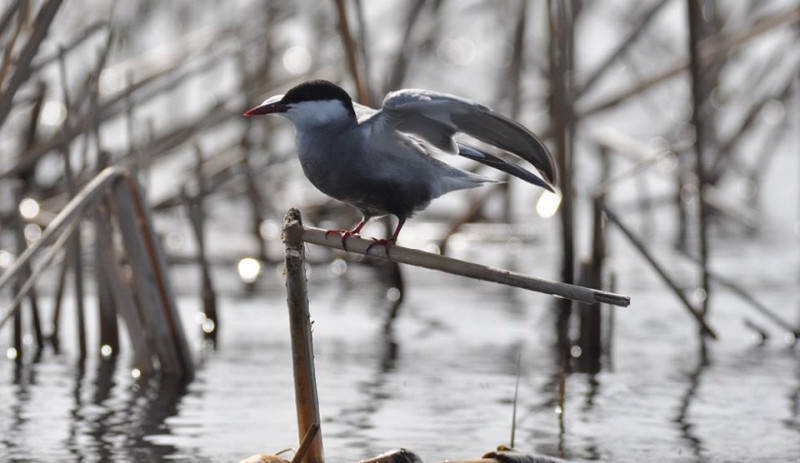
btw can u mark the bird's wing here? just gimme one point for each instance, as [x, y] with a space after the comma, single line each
[437, 117]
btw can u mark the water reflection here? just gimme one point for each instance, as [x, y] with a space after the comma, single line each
[22, 379]
[71, 443]
[793, 422]
[373, 393]
[682, 419]
[592, 392]
[150, 403]
[106, 420]
[553, 391]
[99, 425]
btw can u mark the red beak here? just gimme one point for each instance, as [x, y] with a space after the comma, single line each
[269, 108]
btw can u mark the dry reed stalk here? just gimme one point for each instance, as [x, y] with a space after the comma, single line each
[16, 337]
[145, 282]
[760, 166]
[472, 212]
[351, 52]
[590, 338]
[634, 171]
[721, 204]
[158, 272]
[5, 66]
[124, 302]
[54, 336]
[76, 259]
[737, 289]
[33, 300]
[402, 56]
[257, 204]
[640, 156]
[30, 278]
[610, 320]
[74, 248]
[106, 310]
[682, 215]
[197, 216]
[589, 323]
[8, 15]
[363, 40]
[107, 318]
[467, 269]
[85, 34]
[26, 182]
[560, 54]
[631, 38]
[71, 212]
[22, 67]
[305, 444]
[305, 385]
[728, 146]
[511, 84]
[642, 248]
[219, 168]
[699, 114]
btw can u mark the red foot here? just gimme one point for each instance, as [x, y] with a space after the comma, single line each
[385, 243]
[344, 234]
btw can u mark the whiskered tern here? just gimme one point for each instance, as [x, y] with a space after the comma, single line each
[381, 161]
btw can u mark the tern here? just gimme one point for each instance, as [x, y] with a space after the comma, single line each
[382, 161]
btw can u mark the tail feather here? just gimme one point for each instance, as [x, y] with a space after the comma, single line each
[460, 180]
[470, 152]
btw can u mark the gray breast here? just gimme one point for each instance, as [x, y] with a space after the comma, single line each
[375, 182]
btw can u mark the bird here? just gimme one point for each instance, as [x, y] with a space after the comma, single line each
[381, 161]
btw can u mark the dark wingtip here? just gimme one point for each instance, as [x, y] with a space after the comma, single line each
[485, 158]
[527, 146]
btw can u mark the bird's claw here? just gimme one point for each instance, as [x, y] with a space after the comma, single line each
[383, 242]
[344, 234]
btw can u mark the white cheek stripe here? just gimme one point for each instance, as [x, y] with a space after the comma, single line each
[313, 113]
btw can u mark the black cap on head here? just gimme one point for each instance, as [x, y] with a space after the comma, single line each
[318, 90]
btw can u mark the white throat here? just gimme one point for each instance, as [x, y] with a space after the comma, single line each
[313, 114]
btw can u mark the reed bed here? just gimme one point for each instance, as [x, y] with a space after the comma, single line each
[95, 179]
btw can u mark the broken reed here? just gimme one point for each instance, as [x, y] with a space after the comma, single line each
[305, 385]
[151, 316]
[453, 266]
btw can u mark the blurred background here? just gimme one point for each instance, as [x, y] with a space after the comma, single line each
[648, 107]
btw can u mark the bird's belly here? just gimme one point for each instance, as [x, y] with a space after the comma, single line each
[375, 189]
[322, 175]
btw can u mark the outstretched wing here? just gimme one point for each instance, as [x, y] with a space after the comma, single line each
[437, 117]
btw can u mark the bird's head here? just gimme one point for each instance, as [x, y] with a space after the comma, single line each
[310, 105]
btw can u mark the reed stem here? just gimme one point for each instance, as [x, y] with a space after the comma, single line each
[463, 268]
[305, 383]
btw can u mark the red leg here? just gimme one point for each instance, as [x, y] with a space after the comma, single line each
[387, 243]
[348, 233]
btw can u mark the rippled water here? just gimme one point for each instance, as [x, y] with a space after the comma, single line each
[441, 384]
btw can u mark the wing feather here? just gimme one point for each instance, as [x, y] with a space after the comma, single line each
[437, 117]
